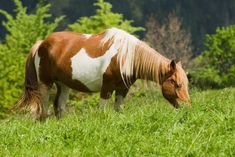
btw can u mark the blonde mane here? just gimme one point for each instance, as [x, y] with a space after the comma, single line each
[149, 63]
[135, 57]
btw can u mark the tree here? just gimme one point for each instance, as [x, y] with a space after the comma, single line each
[170, 39]
[103, 19]
[23, 31]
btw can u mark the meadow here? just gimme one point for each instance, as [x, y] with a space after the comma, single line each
[146, 126]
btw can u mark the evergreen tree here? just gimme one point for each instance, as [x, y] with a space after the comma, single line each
[103, 19]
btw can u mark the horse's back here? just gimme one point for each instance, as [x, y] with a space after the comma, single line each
[67, 44]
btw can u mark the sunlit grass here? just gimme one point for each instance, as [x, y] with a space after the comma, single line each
[147, 126]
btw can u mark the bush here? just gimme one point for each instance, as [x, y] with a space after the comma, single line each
[216, 64]
[23, 31]
[206, 78]
[103, 19]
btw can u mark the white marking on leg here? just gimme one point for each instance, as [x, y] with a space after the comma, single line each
[89, 70]
[62, 98]
[102, 103]
[37, 62]
[118, 102]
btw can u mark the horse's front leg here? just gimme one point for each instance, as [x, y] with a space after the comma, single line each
[120, 94]
[102, 103]
[105, 95]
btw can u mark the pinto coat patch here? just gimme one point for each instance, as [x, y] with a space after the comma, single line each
[88, 70]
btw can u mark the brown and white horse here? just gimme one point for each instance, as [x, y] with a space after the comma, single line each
[106, 62]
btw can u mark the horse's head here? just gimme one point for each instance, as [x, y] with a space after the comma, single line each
[175, 84]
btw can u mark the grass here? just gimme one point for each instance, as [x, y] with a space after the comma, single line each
[147, 126]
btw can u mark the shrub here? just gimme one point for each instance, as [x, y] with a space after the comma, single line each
[219, 57]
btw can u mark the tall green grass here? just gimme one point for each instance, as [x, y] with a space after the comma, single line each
[147, 126]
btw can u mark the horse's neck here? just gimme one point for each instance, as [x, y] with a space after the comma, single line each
[150, 65]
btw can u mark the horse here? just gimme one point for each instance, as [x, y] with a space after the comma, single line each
[107, 62]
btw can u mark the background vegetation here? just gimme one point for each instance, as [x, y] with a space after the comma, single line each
[216, 66]
[170, 38]
[148, 125]
[199, 16]
[103, 19]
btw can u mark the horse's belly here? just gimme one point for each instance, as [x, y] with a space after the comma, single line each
[89, 71]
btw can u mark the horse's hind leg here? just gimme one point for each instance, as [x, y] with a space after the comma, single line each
[45, 93]
[60, 99]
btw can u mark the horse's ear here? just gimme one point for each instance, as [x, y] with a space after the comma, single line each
[173, 65]
[179, 63]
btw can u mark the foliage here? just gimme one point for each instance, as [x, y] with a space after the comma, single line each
[205, 78]
[170, 38]
[23, 31]
[219, 57]
[103, 19]
[198, 16]
[147, 126]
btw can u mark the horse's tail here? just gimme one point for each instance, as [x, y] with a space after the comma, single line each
[31, 97]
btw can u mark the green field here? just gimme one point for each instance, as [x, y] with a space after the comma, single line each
[147, 126]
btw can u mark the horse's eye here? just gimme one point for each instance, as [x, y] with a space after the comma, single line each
[172, 81]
